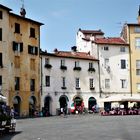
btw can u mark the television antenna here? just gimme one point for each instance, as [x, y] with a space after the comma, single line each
[22, 11]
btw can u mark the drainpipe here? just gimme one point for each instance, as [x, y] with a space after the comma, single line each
[100, 90]
[41, 76]
[130, 63]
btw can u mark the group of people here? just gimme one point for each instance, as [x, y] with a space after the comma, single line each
[6, 112]
[121, 111]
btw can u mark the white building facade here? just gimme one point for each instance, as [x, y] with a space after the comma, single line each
[113, 55]
[68, 78]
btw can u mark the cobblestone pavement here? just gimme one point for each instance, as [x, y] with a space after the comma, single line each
[77, 127]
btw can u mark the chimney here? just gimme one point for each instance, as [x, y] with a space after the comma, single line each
[74, 48]
[22, 11]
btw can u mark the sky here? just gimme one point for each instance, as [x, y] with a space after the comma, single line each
[63, 18]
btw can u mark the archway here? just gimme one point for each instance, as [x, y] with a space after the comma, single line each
[16, 105]
[47, 106]
[91, 102]
[63, 101]
[32, 106]
[78, 101]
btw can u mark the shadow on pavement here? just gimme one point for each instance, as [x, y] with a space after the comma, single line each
[9, 136]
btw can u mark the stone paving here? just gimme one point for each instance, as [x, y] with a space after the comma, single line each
[77, 127]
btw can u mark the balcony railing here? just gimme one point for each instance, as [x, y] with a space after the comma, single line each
[63, 87]
[48, 66]
[91, 69]
[77, 68]
[63, 67]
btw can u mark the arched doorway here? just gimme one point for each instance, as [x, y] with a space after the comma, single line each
[32, 106]
[78, 101]
[78, 104]
[16, 105]
[47, 106]
[91, 102]
[63, 101]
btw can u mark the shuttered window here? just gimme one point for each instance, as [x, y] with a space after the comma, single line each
[32, 50]
[1, 65]
[0, 34]
[1, 15]
[17, 46]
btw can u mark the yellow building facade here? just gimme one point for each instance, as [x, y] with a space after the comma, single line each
[19, 46]
[131, 33]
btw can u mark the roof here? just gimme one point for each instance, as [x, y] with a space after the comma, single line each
[133, 24]
[110, 41]
[24, 18]
[19, 16]
[68, 54]
[4, 7]
[94, 32]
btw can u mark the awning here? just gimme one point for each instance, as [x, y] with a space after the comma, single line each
[122, 98]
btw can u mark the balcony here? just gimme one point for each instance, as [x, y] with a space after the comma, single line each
[77, 68]
[63, 67]
[92, 88]
[77, 88]
[63, 87]
[91, 69]
[48, 66]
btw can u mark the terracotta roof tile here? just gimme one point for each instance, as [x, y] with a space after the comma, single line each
[94, 32]
[112, 40]
[75, 55]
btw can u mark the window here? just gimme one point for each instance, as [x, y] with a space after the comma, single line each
[32, 85]
[90, 65]
[47, 61]
[17, 46]
[17, 83]
[47, 81]
[107, 83]
[123, 83]
[122, 49]
[106, 62]
[137, 43]
[32, 64]
[106, 48]
[17, 62]
[17, 28]
[123, 64]
[77, 83]
[32, 32]
[77, 64]
[91, 83]
[32, 50]
[137, 30]
[1, 65]
[63, 62]
[138, 86]
[137, 67]
[0, 34]
[0, 80]
[1, 15]
[63, 82]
